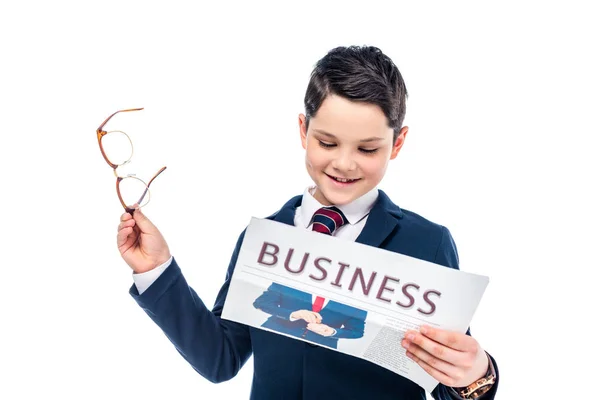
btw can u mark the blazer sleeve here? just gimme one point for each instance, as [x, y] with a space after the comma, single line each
[271, 302]
[216, 348]
[447, 255]
[354, 326]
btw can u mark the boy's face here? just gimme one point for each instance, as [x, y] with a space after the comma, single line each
[348, 146]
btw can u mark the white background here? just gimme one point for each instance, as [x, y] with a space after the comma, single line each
[502, 149]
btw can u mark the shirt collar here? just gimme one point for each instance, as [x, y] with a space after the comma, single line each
[354, 211]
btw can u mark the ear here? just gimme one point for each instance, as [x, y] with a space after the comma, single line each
[399, 142]
[303, 128]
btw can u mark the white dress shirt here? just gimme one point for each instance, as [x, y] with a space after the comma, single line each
[356, 213]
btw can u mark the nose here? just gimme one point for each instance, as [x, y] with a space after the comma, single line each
[344, 162]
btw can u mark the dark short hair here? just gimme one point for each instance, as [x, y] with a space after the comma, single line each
[358, 73]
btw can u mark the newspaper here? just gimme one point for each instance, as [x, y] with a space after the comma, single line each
[372, 296]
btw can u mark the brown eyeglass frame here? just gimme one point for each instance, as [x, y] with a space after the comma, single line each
[100, 132]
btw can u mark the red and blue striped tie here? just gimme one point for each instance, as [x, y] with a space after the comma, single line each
[326, 220]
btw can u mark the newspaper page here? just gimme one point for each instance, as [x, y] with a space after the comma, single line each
[372, 296]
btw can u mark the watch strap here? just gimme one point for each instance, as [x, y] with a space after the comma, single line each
[480, 386]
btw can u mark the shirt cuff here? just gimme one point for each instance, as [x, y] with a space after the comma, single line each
[145, 279]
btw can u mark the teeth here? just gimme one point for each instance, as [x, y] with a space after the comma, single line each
[343, 180]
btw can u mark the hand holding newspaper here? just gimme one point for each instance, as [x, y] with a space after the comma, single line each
[346, 296]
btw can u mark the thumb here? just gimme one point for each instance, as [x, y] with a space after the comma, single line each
[143, 223]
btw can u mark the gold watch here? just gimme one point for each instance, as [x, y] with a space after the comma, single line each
[480, 386]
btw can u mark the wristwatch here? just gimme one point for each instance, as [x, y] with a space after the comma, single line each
[480, 386]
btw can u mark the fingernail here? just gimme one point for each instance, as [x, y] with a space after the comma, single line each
[405, 344]
[410, 336]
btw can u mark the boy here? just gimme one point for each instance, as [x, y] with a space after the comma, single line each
[355, 105]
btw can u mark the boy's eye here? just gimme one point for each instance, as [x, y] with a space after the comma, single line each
[368, 151]
[326, 145]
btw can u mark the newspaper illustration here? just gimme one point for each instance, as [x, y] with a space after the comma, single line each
[365, 297]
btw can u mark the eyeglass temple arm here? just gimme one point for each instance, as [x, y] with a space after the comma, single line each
[99, 130]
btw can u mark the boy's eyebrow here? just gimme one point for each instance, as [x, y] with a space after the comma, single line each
[331, 135]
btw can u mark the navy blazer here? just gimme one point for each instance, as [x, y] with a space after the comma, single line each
[281, 301]
[285, 368]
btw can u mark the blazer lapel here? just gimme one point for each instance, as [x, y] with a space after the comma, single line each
[382, 221]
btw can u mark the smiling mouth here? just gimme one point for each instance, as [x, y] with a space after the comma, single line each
[342, 180]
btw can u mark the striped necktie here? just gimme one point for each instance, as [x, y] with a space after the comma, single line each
[326, 220]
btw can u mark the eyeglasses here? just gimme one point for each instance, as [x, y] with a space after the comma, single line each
[117, 150]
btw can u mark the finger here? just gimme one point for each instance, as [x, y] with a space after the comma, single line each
[318, 317]
[436, 349]
[455, 340]
[143, 223]
[316, 328]
[125, 217]
[126, 224]
[123, 236]
[434, 362]
[307, 317]
[436, 374]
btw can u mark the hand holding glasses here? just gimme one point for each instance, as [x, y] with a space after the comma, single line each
[117, 150]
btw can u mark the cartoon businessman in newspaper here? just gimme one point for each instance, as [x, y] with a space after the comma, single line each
[310, 317]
